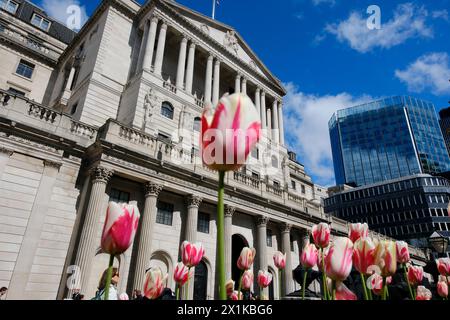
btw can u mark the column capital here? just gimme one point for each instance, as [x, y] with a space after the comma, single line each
[194, 201]
[262, 221]
[184, 39]
[217, 62]
[258, 90]
[52, 164]
[101, 174]
[244, 79]
[211, 57]
[229, 211]
[286, 227]
[263, 93]
[164, 25]
[193, 44]
[154, 19]
[6, 151]
[238, 76]
[152, 189]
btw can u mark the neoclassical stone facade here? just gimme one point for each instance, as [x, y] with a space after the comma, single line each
[121, 123]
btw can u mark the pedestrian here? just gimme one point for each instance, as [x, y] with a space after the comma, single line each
[3, 292]
[113, 295]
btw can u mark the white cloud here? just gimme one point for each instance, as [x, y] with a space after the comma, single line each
[306, 119]
[440, 14]
[328, 2]
[428, 72]
[409, 21]
[58, 10]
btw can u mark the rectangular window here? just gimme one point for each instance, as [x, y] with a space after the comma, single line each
[165, 213]
[119, 196]
[255, 153]
[269, 237]
[16, 92]
[203, 223]
[25, 69]
[294, 186]
[303, 189]
[9, 5]
[40, 22]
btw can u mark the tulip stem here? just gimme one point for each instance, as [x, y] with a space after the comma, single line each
[109, 276]
[240, 286]
[221, 236]
[177, 292]
[304, 284]
[334, 290]
[187, 285]
[383, 297]
[409, 284]
[280, 282]
[366, 296]
[324, 277]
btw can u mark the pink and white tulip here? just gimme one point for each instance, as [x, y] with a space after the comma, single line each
[309, 256]
[120, 227]
[247, 280]
[236, 296]
[423, 293]
[363, 255]
[415, 275]
[154, 283]
[181, 274]
[344, 293]
[321, 235]
[442, 287]
[402, 252]
[386, 257]
[443, 265]
[357, 231]
[192, 254]
[229, 132]
[338, 263]
[279, 259]
[229, 287]
[124, 297]
[264, 279]
[246, 258]
[376, 283]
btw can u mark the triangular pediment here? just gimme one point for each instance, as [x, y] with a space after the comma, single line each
[226, 36]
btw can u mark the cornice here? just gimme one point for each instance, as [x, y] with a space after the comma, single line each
[171, 13]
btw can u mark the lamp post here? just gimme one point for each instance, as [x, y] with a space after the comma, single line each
[439, 243]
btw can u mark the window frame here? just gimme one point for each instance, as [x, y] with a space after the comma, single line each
[42, 20]
[27, 66]
[200, 223]
[164, 106]
[169, 208]
[7, 3]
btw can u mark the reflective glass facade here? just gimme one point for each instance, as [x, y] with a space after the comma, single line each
[387, 139]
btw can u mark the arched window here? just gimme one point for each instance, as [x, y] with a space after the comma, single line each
[274, 162]
[167, 110]
[197, 124]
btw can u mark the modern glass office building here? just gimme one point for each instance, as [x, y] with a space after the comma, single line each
[409, 208]
[387, 139]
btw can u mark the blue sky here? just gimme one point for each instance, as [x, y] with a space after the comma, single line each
[328, 59]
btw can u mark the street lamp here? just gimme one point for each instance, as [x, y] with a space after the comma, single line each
[439, 243]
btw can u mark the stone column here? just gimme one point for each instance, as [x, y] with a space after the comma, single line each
[30, 244]
[193, 203]
[5, 154]
[228, 226]
[237, 84]
[143, 46]
[258, 101]
[286, 248]
[216, 86]
[190, 68]
[244, 86]
[181, 63]
[276, 132]
[262, 245]
[281, 121]
[269, 122]
[70, 79]
[88, 244]
[208, 79]
[160, 49]
[263, 110]
[147, 223]
[149, 44]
